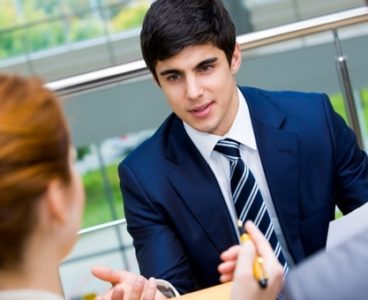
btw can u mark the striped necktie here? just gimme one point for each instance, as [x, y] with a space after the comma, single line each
[248, 201]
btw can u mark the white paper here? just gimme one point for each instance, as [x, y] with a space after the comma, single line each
[347, 226]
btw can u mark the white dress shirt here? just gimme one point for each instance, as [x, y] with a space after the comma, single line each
[242, 132]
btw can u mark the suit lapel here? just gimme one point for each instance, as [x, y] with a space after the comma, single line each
[278, 148]
[195, 182]
[279, 153]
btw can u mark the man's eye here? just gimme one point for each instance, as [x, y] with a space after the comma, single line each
[206, 68]
[173, 77]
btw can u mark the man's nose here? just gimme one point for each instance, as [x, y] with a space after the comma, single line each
[194, 88]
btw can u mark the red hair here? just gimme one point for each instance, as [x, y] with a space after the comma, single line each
[34, 149]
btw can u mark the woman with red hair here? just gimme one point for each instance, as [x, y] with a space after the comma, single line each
[41, 196]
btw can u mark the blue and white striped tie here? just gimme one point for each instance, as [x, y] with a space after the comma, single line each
[248, 201]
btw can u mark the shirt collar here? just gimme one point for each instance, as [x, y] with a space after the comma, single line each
[241, 131]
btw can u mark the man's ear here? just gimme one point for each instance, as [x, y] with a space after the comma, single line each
[55, 201]
[236, 59]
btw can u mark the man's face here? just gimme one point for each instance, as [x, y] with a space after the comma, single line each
[200, 87]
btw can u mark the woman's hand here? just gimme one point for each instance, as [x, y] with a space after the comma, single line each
[238, 266]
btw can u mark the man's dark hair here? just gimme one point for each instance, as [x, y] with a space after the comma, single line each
[172, 25]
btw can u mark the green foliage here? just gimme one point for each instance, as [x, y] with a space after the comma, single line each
[75, 5]
[85, 24]
[337, 101]
[49, 6]
[84, 28]
[82, 152]
[338, 104]
[97, 209]
[10, 43]
[44, 36]
[8, 15]
[130, 17]
[32, 38]
[364, 99]
[338, 213]
[33, 11]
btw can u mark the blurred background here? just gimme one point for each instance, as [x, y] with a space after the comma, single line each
[60, 40]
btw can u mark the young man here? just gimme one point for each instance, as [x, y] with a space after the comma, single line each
[298, 159]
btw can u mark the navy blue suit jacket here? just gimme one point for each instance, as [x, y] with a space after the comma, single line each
[177, 215]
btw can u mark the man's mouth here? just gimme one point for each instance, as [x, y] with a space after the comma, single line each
[202, 110]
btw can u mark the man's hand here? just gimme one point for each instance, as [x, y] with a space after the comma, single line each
[127, 285]
[227, 267]
[238, 266]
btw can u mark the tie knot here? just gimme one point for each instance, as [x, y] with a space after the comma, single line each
[229, 148]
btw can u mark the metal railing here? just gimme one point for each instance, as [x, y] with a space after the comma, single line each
[303, 28]
[138, 69]
[248, 41]
[101, 226]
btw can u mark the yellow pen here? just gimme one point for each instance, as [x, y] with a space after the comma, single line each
[258, 270]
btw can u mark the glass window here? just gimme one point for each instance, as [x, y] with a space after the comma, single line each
[45, 35]
[102, 204]
[9, 15]
[129, 16]
[84, 26]
[77, 6]
[12, 43]
[98, 166]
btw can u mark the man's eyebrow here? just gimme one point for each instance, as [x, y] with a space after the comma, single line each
[198, 66]
[206, 62]
[169, 71]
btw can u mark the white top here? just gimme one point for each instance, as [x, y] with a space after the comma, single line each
[242, 132]
[26, 294]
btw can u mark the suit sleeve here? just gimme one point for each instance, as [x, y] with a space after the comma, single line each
[159, 252]
[338, 274]
[351, 163]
